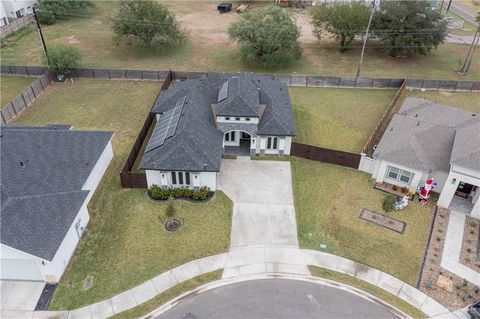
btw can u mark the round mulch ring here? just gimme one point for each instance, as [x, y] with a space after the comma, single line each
[172, 225]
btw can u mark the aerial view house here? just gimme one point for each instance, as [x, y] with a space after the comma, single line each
[426, 139]
[201, 120]
[48, 175]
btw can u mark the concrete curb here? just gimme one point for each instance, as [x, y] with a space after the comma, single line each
[230, 281]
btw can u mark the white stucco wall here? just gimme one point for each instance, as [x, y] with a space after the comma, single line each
[233, 119]
[284, 143]
[164, 178]
[460, 174]
[380, 172]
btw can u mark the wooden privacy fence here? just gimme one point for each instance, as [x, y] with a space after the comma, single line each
[22, 101]
[325, 155]
[383, 123]
[291, 80]
[15, 25]
[128, 178]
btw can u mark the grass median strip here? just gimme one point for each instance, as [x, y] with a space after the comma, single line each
[369, 288]
[126, 243]
[168, 295]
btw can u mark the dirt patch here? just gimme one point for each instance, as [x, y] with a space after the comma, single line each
[461, 293]
[72, 40]
[469, 255]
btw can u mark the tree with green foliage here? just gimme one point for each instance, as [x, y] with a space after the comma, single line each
[145, 24]
[63, 58]
[267, 35]
[342, 19]
[409, 27]
[49, 11]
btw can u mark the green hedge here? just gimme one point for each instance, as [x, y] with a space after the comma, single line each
[159, 193]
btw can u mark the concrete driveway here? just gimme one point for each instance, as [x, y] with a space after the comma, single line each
[20, 295]
[263, 202]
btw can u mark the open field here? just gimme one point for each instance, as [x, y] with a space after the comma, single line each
[341, 119]
[328, 201]
[208, 48]
[469, 101]
[11, 86]
[125, 243]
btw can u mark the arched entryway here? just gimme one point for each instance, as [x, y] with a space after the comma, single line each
[237, 143]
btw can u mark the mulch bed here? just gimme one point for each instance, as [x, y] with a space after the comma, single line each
[383, 220]
[462, 293]
[470, 245]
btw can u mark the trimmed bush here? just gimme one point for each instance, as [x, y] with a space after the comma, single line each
[63, 58]
[202, 194]
[388, 203]
[159, 193]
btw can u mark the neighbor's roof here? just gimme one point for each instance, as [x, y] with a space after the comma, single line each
[197, 143]
[428, 137]
[42, 174]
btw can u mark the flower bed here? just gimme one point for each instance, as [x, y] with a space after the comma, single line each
[382, 220]
[470, 255]
[164, 194]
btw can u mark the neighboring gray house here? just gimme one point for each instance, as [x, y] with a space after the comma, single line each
[426, 139]
[200, 120]
[48, 175]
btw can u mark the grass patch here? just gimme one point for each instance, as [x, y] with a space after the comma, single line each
[11, 86]
[168, 295]
[371, 289]
[341, 119]
[125, 244]
[469, 101]
[328, 201]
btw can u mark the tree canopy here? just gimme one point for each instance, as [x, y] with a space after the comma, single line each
[267, 35]
[63, 58]
[409, 27]
[344, 20]
[49, 11]
[145, 23]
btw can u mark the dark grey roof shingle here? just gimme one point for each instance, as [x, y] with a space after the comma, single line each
[43, 170]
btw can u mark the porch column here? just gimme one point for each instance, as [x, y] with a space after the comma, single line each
[448, 191]
[253, 146]
[281, 146]
[263, 145]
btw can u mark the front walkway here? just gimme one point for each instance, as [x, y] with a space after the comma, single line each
[453, 248]
[264, 230]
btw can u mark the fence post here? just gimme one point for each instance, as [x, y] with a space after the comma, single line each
[3, 117]
[13, 106]
[33, 92]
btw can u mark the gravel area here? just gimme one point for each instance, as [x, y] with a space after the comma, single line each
[469, 255]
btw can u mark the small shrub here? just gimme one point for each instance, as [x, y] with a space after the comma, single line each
[63, 58]
[473, 224]
[388, 203]
[170, 211]
[438, 238]
[472, 232]
[201, 194]
[469, 241]
[404, 190]
[159, 193]
[469, 250]
[182, 192]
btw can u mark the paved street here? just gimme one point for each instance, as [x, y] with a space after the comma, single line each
[463, 11]
[276, 298]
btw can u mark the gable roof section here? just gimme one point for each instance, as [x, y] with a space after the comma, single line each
[197, 140]
[42, 174]
[241, 100]
[428, 137]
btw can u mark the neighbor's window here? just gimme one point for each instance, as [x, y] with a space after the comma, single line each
[272, 143]
[230, 136]
[399, 175]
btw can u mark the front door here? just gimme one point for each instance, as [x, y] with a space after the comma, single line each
[464, 189]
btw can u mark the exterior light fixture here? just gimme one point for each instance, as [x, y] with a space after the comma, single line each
[454, 181]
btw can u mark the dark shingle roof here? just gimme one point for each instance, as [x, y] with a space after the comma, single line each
[42, 174]
[197, 140]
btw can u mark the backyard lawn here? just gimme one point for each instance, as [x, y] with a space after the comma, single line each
[125, 243]
[11, 86]
[469, 101]
[328, 201]
[341, 119]
[208, 48]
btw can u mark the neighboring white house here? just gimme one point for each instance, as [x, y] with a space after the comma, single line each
[199, 121]
[426, 140]
[48, 175]
[17, 8]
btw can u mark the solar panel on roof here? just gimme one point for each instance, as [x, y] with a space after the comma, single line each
[222, 92]
[166, 125]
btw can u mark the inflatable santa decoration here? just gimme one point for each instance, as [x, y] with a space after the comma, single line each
[424, 191]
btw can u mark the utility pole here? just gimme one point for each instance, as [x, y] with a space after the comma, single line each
[471, 52]
[39, 28]
[365, 39]
[449, 4]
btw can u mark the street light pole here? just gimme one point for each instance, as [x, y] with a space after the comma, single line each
[365, 39]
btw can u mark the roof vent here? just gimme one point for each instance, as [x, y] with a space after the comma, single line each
[416, 115]
[22, 164]
[418, 123]
[474, 114]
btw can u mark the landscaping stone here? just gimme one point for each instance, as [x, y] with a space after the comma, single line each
[444, 283]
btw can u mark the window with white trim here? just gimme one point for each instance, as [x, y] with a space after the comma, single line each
[399, 175]
[230, 136]
[272, 143]
[181, 178]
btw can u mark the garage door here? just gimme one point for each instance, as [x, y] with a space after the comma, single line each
[20, 269]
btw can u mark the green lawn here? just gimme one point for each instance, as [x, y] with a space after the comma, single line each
[469, 101]
[371, 289]
[11, 86]
[208, 48]
[328, 201]
[341, 119]
[125, 243]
